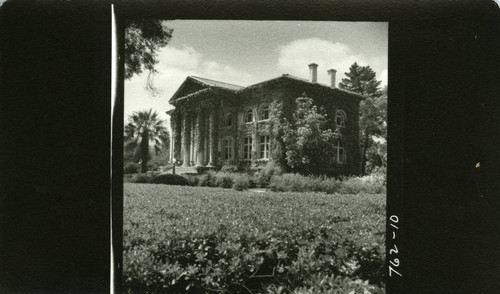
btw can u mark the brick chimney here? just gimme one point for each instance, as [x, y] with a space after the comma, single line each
[332, 73]
[313, 72]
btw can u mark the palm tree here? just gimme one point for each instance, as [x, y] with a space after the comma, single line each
[144, 129]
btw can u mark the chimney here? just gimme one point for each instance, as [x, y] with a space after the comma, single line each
[332, 73]
[313, 72]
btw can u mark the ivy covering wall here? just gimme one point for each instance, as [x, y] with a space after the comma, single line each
[209, 122]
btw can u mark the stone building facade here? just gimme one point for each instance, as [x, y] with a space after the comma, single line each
[216, 123]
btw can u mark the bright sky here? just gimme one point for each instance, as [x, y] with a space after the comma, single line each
[248, 52]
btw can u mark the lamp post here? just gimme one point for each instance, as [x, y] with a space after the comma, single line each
[173, 167]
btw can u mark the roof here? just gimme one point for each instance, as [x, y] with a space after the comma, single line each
[213, 83]
[288, 76]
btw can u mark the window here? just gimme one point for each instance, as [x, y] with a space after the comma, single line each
[249, 116]
[264, 113]
[227, 149]
[340, 118]
[247, 148]
[264, 147]
[340, 152]
[228, 119]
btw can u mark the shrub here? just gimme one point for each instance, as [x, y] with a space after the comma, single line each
[131, 168]
[156, 162]
[141, 178]
[207, 179]
[330, 185]
[241, 182]
[229, 168]
[223, 180]
[290, 183]
[263, 177]
[127, 178]
[170, 179]
[192, 179]
[372, 184]
[203, 169]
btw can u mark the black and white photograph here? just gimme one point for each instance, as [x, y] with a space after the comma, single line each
[255, 156]
[249, 146]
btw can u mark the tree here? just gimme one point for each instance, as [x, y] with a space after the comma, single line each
[143, 39]
[361, 79]
[373, 128]
[307, 141]
[372, 115]
[145, 129]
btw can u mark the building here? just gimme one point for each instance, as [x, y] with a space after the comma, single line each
[216, 123]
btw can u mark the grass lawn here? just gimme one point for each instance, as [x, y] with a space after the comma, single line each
[206, 240]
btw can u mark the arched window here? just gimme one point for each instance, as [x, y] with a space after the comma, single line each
[340, 156]
[340, 119]
[264, 112]
[249, 116]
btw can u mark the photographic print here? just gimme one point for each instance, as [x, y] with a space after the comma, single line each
[255, 156]
[238, 173]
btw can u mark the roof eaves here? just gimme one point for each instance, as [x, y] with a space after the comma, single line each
[214, 83]
[190, 95]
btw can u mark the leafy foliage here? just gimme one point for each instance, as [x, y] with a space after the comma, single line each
[142, 178]
[373, 115]
[263, 176]
[131, 168]
[143, 39]
[373, 128]
[200, 240]
[241, 182]
[169, 179]
[145, 129]
[307, 139]
[372, 184]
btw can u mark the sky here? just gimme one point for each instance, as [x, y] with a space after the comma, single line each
[249, 52]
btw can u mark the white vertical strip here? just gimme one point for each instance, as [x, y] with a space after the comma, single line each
[114, 59]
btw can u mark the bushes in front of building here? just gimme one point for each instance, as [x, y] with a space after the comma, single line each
[271, 177]
[371, 184]
[158, 178]
[242, 182]
[170, 179]
[131, 168]
[263, 176]
[287, 182]
[141, 178]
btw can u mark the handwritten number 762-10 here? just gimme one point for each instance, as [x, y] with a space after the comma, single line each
[394, 263]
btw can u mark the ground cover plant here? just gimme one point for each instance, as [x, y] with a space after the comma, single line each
[182, 239]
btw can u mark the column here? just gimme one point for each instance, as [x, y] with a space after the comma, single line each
[186, 137]
[198, 139]
[176, 125]
[212, 137]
